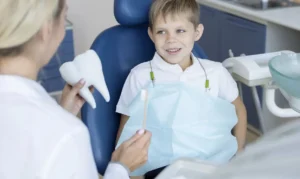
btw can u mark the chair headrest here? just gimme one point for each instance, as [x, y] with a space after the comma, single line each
[132, 12]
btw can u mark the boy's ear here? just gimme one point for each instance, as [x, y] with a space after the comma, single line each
[199, 32]
[150, 33]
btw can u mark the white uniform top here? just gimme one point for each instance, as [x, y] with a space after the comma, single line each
[39, 139]
[221, 83]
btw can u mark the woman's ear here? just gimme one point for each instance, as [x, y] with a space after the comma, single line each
[150, 33]
[45, 33]
[199, 32]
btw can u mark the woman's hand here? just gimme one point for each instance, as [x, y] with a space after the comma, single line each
[70, 99]
[133, 153]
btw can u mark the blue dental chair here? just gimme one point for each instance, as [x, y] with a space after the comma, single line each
[120, 48]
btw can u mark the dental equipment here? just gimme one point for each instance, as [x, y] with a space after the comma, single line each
[272, 72]
[86, 66]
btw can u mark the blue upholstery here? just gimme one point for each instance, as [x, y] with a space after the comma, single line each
[120, 48]
[132, 12]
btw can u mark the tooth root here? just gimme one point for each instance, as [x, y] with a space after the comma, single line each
[100, 85]
[88, 96]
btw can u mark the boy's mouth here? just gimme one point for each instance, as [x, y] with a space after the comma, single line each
[173, 51]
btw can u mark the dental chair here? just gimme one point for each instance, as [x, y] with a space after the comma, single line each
[120, 48]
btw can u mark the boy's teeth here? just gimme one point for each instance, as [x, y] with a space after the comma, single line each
[173, 50]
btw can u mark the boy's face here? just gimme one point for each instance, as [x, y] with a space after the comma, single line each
[174, 38]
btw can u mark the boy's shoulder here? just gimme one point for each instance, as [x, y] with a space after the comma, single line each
[212, 65]
[141, 68]
[215, 68]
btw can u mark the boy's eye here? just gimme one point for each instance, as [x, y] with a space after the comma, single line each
[180, 31]
[161, 32]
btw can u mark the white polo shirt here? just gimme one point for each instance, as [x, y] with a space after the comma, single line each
[220, 81]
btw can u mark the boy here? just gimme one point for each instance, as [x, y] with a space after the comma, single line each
[189, 110]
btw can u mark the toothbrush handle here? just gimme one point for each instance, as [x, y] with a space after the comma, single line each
[145, 111]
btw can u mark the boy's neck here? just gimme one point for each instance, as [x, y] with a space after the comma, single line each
[187, 62]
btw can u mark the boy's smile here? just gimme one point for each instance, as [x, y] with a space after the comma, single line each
[174, 37]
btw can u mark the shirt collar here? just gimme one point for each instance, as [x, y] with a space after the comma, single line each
[23, 86]
[163, 65]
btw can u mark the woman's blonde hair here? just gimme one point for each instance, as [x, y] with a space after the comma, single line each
[174, 7]
[20, 20]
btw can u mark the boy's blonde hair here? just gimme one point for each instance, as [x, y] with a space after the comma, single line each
[20, 20]
[174, 7]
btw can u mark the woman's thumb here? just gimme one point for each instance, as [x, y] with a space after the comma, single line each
[76, 88]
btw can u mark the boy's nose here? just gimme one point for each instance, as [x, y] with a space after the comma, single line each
[171, 38]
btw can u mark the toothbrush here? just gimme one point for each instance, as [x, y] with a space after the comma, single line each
[144, 97]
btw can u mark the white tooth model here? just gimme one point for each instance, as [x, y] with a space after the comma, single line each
[86, 66]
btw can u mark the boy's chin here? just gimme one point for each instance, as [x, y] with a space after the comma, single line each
[174, 60]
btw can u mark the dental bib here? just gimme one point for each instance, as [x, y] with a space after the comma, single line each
[184, 122]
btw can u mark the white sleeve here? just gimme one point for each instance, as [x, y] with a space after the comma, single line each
[72, 158]
[129, 91]
[116, 171]
[228, 89]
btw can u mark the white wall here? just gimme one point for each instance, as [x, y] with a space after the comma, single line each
[89, 18]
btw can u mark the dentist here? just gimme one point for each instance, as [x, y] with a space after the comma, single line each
[38, 137]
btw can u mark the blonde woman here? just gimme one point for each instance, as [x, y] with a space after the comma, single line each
[38, 137]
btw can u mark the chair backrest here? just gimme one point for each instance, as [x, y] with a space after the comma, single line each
[120, 48]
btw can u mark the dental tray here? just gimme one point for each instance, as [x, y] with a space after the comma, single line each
[252, 70]
[187, 169]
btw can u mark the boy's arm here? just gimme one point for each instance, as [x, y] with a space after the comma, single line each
[228, 90]
[130, 89]
[123, 121]
[240, 130]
